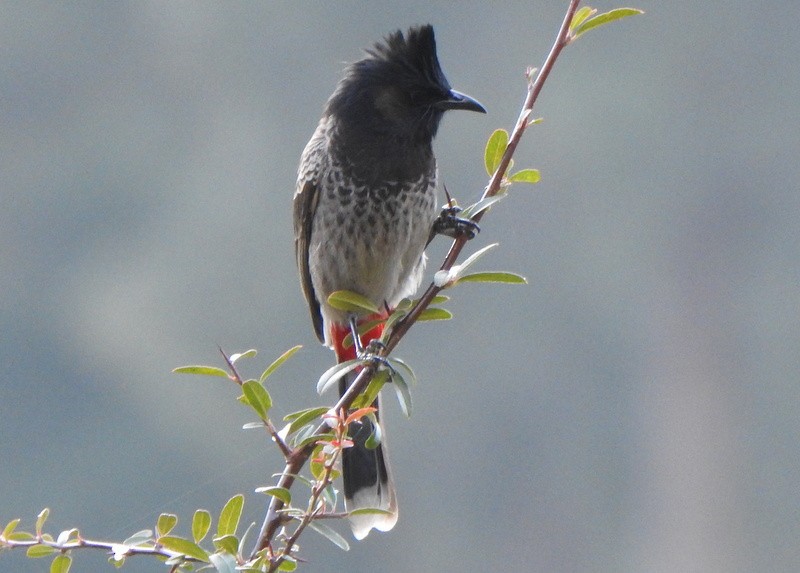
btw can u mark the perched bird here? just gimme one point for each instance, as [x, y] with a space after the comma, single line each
[364, 208]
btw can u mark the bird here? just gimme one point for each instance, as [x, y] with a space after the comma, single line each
[364, 207]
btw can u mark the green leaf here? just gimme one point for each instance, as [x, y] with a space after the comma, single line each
[20, 536]
[184, 547]
[369, 511]
[482, 205]
[493, 277]
[165, 523]
[350, 301]
[399, 365]
[9, 528]
[495, 148]
[248, 354]
[434, 314]
[477, 255]
[277, 363]
[375, 438]
[228, 543]
[281, 493]
[367, 397]
[65, 536]
[253, 425]
[526, 176]
[39, 550]
[61, 564]
[301, 418]
[201, 523]
[40, 519]
[288, 564]
[396, 315]
[202, 370]
[334, 373]
[445, 279]
[229, 516]
[330, 534]
[604, 18]
[403, 395]
[139, 538]
[580, 16]
[258, 398]
[223, 562]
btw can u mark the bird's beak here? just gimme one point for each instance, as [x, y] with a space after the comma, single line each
[457, 100]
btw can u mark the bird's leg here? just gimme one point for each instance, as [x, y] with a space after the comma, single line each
[450, 224]
[372, 352]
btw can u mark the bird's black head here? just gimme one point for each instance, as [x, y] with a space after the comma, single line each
[398, 90]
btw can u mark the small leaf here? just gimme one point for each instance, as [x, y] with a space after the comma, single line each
[604, 18]
[400, 365]
[526, 176]
[439, 299]
[369, 511]
[9, 528]
[258, 398]
[434, 314]
[350, 301]
[249, 354]
[253, 425]
[64, 536]
[301, 418]
[281, 493]
[288, 564]
[139, 538]
[229, 516]
[403, 395]
[396, 315]
[495, 148]
[482, 205]
[278, 362]
[202, 370]
[493, 277]
[201, 523]
[447, 278]
[61, 564]
[39, 550]
[356, 415]
[165, 523]
[330, 534]
[184, 547]
[20, 536]
[334, 373]
[40, 519]
[368, 396]
[375, 438]
[477, 255]
[580, 16]
[223, 562]
[227, 543]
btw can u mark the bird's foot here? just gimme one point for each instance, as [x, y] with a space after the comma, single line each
[449, 223]
[373, 353]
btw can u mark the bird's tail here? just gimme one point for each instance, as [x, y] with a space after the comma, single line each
[365, 471]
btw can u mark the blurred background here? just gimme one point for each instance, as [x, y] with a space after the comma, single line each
[635, 408]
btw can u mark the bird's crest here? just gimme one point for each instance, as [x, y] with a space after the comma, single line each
[411, 56]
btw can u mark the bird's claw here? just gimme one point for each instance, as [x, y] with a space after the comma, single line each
[449, 223]
[373, 353]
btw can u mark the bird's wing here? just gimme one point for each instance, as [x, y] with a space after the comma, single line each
[305, 204]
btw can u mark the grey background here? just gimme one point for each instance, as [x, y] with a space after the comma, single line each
[635, 408]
